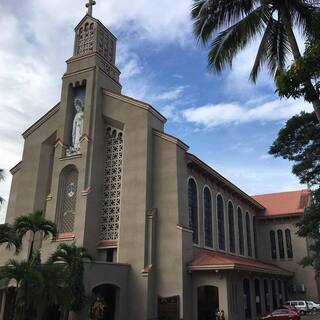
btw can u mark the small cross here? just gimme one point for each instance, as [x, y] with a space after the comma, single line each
[89, 6]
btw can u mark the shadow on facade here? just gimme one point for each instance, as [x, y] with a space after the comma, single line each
[208, 302]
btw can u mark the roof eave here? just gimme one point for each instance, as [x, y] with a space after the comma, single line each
[239, 267]
[193, 159]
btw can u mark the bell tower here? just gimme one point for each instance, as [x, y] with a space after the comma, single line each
[81, 125]
[91, 68]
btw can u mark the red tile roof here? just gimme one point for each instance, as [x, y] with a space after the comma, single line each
[211, 260]
[283, 203]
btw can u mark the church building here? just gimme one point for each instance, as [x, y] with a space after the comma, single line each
[171, 237]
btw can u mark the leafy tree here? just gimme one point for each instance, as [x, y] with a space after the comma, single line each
[291, 82]
[308, 227]
[36, 224]
[230, 25]
[73, 258]
[9, 236]
[299, 141]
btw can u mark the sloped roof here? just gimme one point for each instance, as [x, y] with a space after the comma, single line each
[212, 260]
[284, 203]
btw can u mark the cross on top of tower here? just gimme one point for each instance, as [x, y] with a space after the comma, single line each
[89, 6]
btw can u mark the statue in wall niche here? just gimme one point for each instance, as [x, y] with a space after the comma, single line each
[97, 309]
[77, 126]
[77, 123]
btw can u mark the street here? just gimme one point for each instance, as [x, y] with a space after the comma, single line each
[311, 317]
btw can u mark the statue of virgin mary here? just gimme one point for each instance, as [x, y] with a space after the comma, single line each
[77, 128]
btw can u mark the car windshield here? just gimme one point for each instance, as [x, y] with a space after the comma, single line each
[280, 311]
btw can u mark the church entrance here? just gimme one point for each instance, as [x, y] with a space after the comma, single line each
[208, 302]
[104, 302]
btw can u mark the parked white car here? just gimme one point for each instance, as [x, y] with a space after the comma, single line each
[313, 306]
[300, 305]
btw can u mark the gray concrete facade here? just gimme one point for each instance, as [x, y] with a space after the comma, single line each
[154, 248]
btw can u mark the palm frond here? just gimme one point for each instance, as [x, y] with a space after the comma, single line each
[35, 222]
[9, 237]
[305, 15]
[230, 41]
[209, 16]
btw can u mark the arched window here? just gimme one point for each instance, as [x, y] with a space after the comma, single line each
[249, 243]
[255, 237]
[68, 186]
[258, 296]
[247, 297]
[273, 244]
[280, 244]
[221, 234]
[208, 238]
[193, 209]
[240, 231]
[289, 244]
[232, 241]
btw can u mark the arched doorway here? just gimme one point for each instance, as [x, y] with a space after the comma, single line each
[107, 294]
[208, 302]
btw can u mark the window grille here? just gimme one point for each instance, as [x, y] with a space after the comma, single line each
[110, 216]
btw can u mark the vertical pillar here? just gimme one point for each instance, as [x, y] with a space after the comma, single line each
[253, 299]
[3, 304]
[270, 295]
[263, 298]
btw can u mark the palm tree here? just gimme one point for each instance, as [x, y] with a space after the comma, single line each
[9, 236]
[36, 224]
[53, 291]
[27, 277]
[73, 258]
[230, 25]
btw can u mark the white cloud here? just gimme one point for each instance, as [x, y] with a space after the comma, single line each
[233, 113]
[259, 180]
[172, 94]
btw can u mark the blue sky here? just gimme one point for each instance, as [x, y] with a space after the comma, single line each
[226, 121]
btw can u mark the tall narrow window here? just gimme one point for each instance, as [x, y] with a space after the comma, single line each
[68, 186]
[266, 294]
[207, 218]
[255, 237]
[221, 233]
[240, 231]
[273, 245]
[249, 243]
[258, 296]
[274, 294]
[285, 290]
[280, 292]
[289, 244]
[232, 241]
[193, 209]
[247, 297]
[280, 244]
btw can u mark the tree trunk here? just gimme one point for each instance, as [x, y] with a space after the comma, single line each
[31, 248]
[286, 20]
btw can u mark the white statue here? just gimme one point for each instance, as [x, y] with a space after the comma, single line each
[77, 124]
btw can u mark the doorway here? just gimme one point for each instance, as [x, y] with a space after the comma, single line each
[208, 302]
